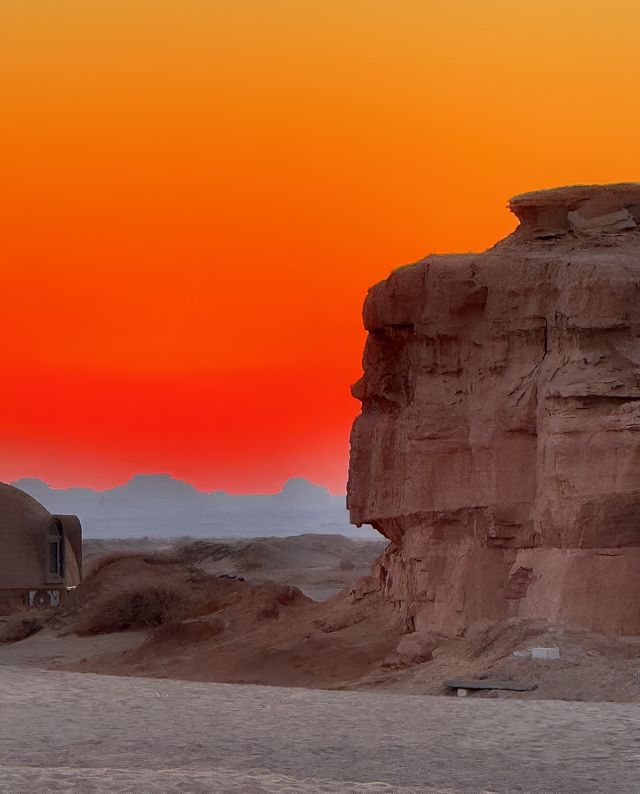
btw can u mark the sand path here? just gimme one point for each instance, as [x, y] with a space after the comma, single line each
[84, 733]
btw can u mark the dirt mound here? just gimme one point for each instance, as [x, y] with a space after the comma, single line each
[187, 623]
[143, 591]
[96, 549]
[320, 565]
[263, 641]
[276, 554]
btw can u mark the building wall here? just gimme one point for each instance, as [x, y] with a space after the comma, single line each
[24, 543]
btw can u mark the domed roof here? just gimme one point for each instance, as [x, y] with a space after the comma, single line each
[26, 529]
[18, 507]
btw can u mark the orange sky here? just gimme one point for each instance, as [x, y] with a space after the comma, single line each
[198, 193]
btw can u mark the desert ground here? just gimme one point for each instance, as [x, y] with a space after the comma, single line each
[256, 612]
[72, 732]
[321, 565]
[134, 684]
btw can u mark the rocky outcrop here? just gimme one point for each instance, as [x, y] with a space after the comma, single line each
[498, 447]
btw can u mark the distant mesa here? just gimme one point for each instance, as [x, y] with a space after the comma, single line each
[298, 488]
[159, 484]
[159, 505]
[31, 484]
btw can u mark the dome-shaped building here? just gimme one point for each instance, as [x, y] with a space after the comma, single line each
[40, 554]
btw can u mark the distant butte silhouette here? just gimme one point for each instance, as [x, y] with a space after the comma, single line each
[159, 505]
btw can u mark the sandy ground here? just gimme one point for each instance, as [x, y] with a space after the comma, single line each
[84, 733]
[321, 565]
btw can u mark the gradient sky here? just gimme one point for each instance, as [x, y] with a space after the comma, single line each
[196, 195]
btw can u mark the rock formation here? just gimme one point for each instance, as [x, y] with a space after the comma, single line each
[498, 447]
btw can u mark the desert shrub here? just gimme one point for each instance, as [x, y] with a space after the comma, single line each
[19, 627]
[347, 564]
[137, 607]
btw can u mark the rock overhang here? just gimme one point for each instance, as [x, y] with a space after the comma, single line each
[580, 210]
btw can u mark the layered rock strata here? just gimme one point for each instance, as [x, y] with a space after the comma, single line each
[498, 447]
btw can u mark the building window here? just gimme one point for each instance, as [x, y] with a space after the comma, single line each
[56, 551]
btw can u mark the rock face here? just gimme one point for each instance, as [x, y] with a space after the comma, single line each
[498, 447]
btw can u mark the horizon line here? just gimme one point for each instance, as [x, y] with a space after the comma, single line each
[167, 475]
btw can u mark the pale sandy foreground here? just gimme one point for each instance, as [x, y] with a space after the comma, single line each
[85, 733]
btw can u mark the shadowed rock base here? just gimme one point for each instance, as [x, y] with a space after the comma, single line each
[498, 447]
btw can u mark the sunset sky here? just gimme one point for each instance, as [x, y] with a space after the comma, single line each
[196, 195]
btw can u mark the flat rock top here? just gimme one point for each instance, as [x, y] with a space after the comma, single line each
[74, 732]
[573, 195]
[579, 211]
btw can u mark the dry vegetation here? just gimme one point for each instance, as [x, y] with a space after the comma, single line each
[19, 626]
[140, 591]
[138, 607]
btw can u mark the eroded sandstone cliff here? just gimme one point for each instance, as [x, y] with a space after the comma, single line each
[498, 447]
